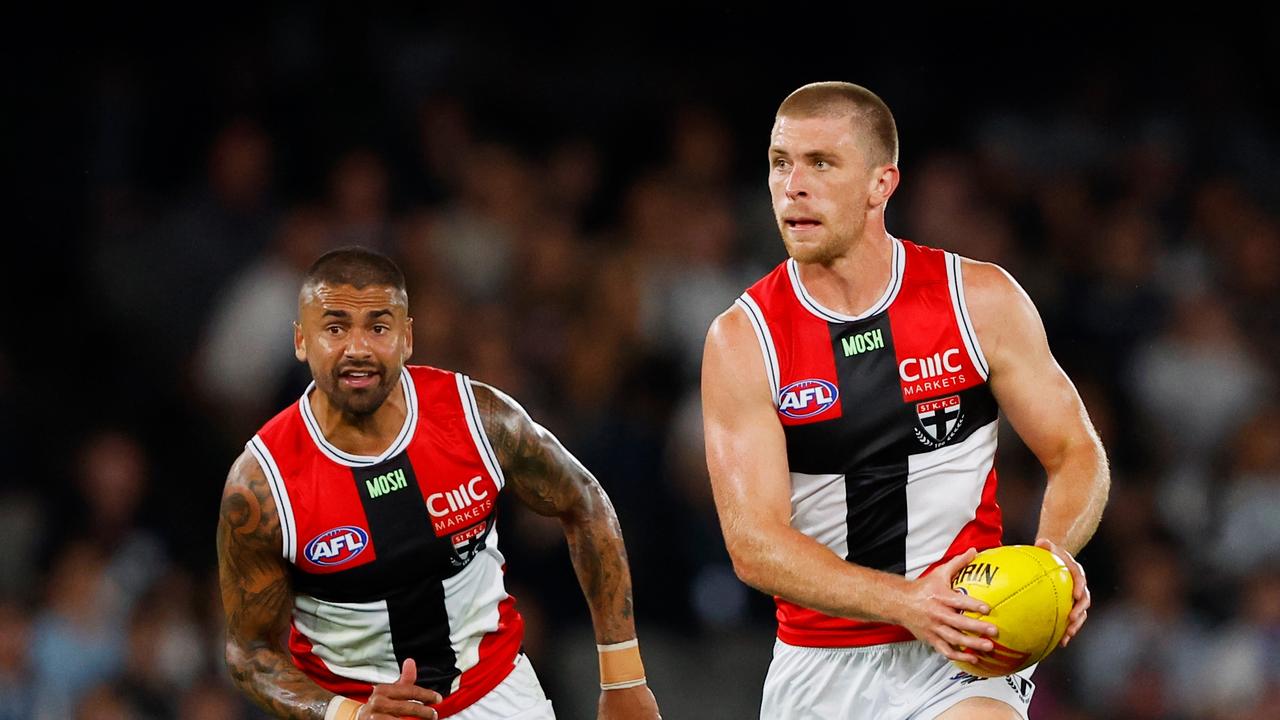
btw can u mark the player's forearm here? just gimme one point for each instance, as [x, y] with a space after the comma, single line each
[600, 560]
[1079, 483]
[782, 561]
[267, 676]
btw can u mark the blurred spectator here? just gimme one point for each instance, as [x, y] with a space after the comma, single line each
[22, 532]
[1194, 385]
[1197, 380]
[1117, 304]
[1242, 666]
[701, 148]
[549, 293]
[103, 702]
[1144, 650]
[165, 652]
[114, 481]
[210, 235]
[78, 639]
[247, 354]
[16, 682]
[718, 598]
[694, 279]
[445, 140]
[943, 211]
[1247, 521]
[478, 231]
[573, 181]
[360, 200]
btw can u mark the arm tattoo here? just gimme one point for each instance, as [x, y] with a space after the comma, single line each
[257, 599]
[548, 479]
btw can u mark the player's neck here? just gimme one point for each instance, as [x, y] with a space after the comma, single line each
[852, 283]
[368, 435]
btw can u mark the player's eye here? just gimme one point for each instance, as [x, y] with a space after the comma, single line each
[779, 163]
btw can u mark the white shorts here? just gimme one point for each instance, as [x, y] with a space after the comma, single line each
[518, 697]
[893, 681]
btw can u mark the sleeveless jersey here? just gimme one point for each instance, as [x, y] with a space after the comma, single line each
[890, 427]
[395, 556]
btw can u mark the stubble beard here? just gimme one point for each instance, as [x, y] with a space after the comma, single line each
[360, 405]
[822, 252]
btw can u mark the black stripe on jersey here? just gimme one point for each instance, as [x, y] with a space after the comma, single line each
[398, 525]
[869, 443]
[408, 551]
[876, 476]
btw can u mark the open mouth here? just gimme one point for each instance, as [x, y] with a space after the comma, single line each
[801, 223]
[358, 379]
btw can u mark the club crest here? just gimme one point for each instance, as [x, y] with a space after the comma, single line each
[938, 420]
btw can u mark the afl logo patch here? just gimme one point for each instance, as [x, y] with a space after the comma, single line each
[337, 546]
[807, 398]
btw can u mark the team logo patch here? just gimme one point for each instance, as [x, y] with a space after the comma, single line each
[337, 546]
[938, 420]
[807, 398]
[467, 543]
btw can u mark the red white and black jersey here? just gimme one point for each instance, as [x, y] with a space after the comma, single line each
[395, 556]
[890, 427]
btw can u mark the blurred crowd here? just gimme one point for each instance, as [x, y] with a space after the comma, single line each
[579, 272]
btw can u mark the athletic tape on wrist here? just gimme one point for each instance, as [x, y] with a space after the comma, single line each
[620, 665]
[342, 708]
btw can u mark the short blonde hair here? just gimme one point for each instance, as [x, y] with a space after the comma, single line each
[835, 99]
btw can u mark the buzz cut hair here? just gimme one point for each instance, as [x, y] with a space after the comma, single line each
[355, 266]
[838, 99]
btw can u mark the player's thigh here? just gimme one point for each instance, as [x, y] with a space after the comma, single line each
[979, 708]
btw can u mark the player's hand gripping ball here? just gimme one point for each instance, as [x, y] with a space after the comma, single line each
[1029, 592]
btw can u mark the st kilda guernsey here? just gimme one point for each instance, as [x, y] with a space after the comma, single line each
[890, 427]
[395, 556]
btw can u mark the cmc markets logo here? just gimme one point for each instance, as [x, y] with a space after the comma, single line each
[337, 546]
[807, 398]
[917, 369]
[458, 499]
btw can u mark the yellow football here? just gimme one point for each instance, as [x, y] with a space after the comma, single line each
[1029, 592]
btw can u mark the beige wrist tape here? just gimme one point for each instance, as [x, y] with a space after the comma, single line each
[342, 708]
[620, 665]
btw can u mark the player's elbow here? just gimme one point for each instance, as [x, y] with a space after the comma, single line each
[236, 658]
[747, 572]
[748, 564]
[1080, 454]
[239, 658]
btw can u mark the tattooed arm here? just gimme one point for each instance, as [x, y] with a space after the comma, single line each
[550, 481]
[257, 600]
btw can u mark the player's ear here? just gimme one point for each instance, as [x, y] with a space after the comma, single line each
[408, 339]
[884, 180]
[299, 347]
